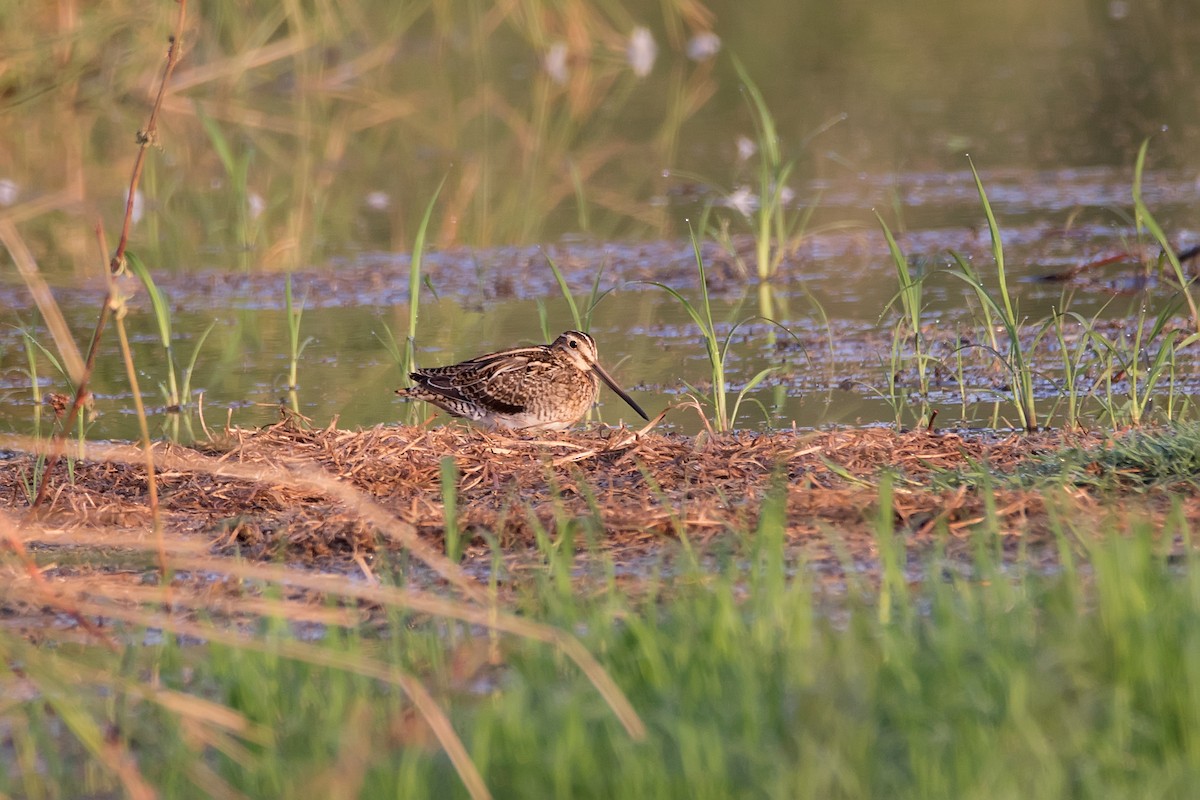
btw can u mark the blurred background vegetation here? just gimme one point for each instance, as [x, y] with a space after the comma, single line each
[294, 132]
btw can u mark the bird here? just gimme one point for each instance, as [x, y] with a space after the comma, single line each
[547, 387]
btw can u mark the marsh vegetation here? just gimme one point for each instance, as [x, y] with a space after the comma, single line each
[915, 513]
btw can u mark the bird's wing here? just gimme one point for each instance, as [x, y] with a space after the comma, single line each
[492, 380]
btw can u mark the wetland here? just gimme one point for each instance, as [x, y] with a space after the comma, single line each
[907, 292]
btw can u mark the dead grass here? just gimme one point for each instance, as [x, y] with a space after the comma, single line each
[637, 491]
[332, 500]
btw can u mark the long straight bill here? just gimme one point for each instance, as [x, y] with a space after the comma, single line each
[604, 376]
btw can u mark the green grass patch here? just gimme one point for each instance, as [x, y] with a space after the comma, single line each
[751, 681]
[1163, 456]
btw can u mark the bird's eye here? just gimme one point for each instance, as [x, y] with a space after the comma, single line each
[573, 343]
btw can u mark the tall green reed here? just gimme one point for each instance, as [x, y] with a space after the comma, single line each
[414, 279]
[910, 294]
[407, 358]
[34, 350]
[296, 347]
[769, 222]
[776, 229]
[1016, 359]
[31, 372]
[1146, 220]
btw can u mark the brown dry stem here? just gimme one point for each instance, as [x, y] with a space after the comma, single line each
[116, 265]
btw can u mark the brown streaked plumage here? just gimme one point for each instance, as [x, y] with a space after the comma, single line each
[545, 387]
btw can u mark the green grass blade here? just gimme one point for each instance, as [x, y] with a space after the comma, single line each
[414, 274]
[565, 291]
[218, 140]
[449, 478]
[909, 293]
[764, 123]
[158, 303]
[751, 384]
[294, 316]
[1145, 218]
[191, 365]
[162, 316]
[997, 245]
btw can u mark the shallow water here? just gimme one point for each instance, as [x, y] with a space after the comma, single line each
[604, 173]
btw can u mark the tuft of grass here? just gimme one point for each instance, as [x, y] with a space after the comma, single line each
[776, 229]
[1073, 361]
[581, 321]
[1139, 459]
[1016, 360]
[33, 349]
[176, 386]
[908, 328]
[33, 478]
[557, 543]
[717, 349]
[1132, 367]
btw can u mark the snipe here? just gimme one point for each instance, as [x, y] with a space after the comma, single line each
[545, 387]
